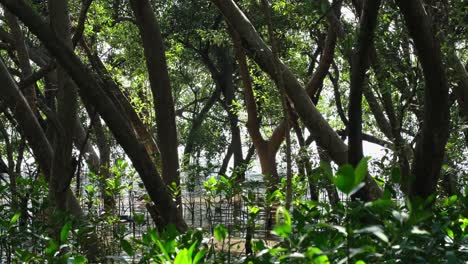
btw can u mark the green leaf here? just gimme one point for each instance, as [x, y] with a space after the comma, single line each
[15, 218]
[417, 231]
[220, 232]
[127, 247]
[326, 169]
[191, 249]
[450, 200]
[258, 245]
[199, 256]
[449, 232]
[153, 235]
[419, 215]
[356, 188]
[375, 230]
[79, 260]
[361, 171]
[52, 247]
[65, 231]
[395, 175]
[317, 256]
[210, 184]
[283, 228]
[253, 209]
[344, 179]
[163, 250]
[182, 257]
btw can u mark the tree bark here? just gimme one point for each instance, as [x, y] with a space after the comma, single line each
[32, 131]
[325, 136]
[91, 91]
[359, 66]
[430, 148]
[226, 62]
[122, 102]
[266, 149]
[23, 57]
[62, 170]
[162, 93]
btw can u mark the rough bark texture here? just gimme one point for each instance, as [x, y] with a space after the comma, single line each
[160, 86]
[23, 57]
[120, 100]
[62, 169]
[430, 147]
[92, 92]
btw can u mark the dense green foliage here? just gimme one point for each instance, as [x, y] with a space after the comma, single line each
[385, 230]
[253, 182]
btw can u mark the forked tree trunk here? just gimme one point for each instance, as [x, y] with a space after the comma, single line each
[324, 134]
[430, 148]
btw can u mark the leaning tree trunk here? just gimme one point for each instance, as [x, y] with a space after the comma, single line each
[324, 134]
[162, 93]
[23, 57]
[34, 134]
[91, 91]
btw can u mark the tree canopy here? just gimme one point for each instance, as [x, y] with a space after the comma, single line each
[279, 130]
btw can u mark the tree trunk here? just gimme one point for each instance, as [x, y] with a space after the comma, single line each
[23, 57]
[32, 131]
[104, 165]
[359, 66]
[430, 148]
[325, 136]
[162, 93]
[62, 170]
[92, 92]
[122, 102]
[226, 62]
